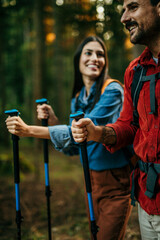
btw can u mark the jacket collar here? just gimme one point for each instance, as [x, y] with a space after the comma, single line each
[146, 57]
[83, 91]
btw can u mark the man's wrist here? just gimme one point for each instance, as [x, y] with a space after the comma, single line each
[97, 133]
[107, 135]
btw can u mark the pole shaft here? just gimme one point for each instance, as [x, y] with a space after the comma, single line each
[84, 156]
[18, 221]
[14, 112]
[45, 147]
[46, 166]
[16, 158]
[17, 181]
[48, 194]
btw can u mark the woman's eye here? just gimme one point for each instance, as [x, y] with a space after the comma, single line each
[88, 53]
[100, 55]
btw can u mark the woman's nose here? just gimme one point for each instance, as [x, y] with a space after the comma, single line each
[94, 56]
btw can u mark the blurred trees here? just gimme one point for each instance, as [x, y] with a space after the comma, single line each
[37, 44]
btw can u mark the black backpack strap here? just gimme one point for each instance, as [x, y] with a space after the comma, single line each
[136, 87]
[129, 153]
[152, 78]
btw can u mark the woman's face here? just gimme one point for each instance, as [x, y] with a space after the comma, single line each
[92, 61]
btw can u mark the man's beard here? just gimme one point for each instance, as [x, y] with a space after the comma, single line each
[142, 36]
[139, 38]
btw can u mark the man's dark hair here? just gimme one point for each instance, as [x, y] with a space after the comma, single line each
[154, 2]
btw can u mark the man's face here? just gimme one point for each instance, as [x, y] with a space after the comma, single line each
[141, 19]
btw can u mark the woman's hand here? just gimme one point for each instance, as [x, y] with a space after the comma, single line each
[84, 129]
[45, 111]
[17, 126]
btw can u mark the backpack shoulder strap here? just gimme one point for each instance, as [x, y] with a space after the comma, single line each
[128, 150]
[107, 82]
[136, 87]
[77, 94]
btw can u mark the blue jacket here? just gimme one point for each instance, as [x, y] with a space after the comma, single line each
[106, 110]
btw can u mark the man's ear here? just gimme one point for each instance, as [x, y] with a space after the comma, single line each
[158, 8]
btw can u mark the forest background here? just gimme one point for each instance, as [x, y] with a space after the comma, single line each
[37, 44]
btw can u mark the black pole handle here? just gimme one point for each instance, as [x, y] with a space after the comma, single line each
[78, 115]
[12, 112]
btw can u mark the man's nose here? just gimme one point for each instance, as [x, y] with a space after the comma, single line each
[125, 17]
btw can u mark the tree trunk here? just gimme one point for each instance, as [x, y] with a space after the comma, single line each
[38, 67]
[4, 136]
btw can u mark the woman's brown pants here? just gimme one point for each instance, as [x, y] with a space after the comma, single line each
[111, 202]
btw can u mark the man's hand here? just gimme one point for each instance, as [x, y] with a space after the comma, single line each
[84, 129]
[45, 111]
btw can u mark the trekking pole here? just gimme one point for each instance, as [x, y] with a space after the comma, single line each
[15, 139]
[83, 148]
[46, 167]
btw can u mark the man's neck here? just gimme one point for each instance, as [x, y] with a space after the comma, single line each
[155, 59]
[155, 48]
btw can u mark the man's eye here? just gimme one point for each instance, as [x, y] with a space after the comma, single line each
[133, 7]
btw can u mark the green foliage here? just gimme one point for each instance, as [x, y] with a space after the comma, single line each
[26, 166]
[68, 210]
[6, 164]
[51, 39]
[6, 168]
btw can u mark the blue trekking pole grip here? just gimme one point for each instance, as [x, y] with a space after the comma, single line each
[15, 139]
[42, 101]
[83, 149]
[46, 167]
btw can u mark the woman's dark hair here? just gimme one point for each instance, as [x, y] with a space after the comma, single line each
[154, 2]
[78, 81]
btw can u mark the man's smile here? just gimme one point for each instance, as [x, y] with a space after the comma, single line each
[131, 26]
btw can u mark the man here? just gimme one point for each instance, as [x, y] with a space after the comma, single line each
[142, 19]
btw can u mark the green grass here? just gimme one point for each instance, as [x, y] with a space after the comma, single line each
[68, 213]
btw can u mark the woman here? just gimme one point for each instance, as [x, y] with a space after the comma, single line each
[109, 172]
